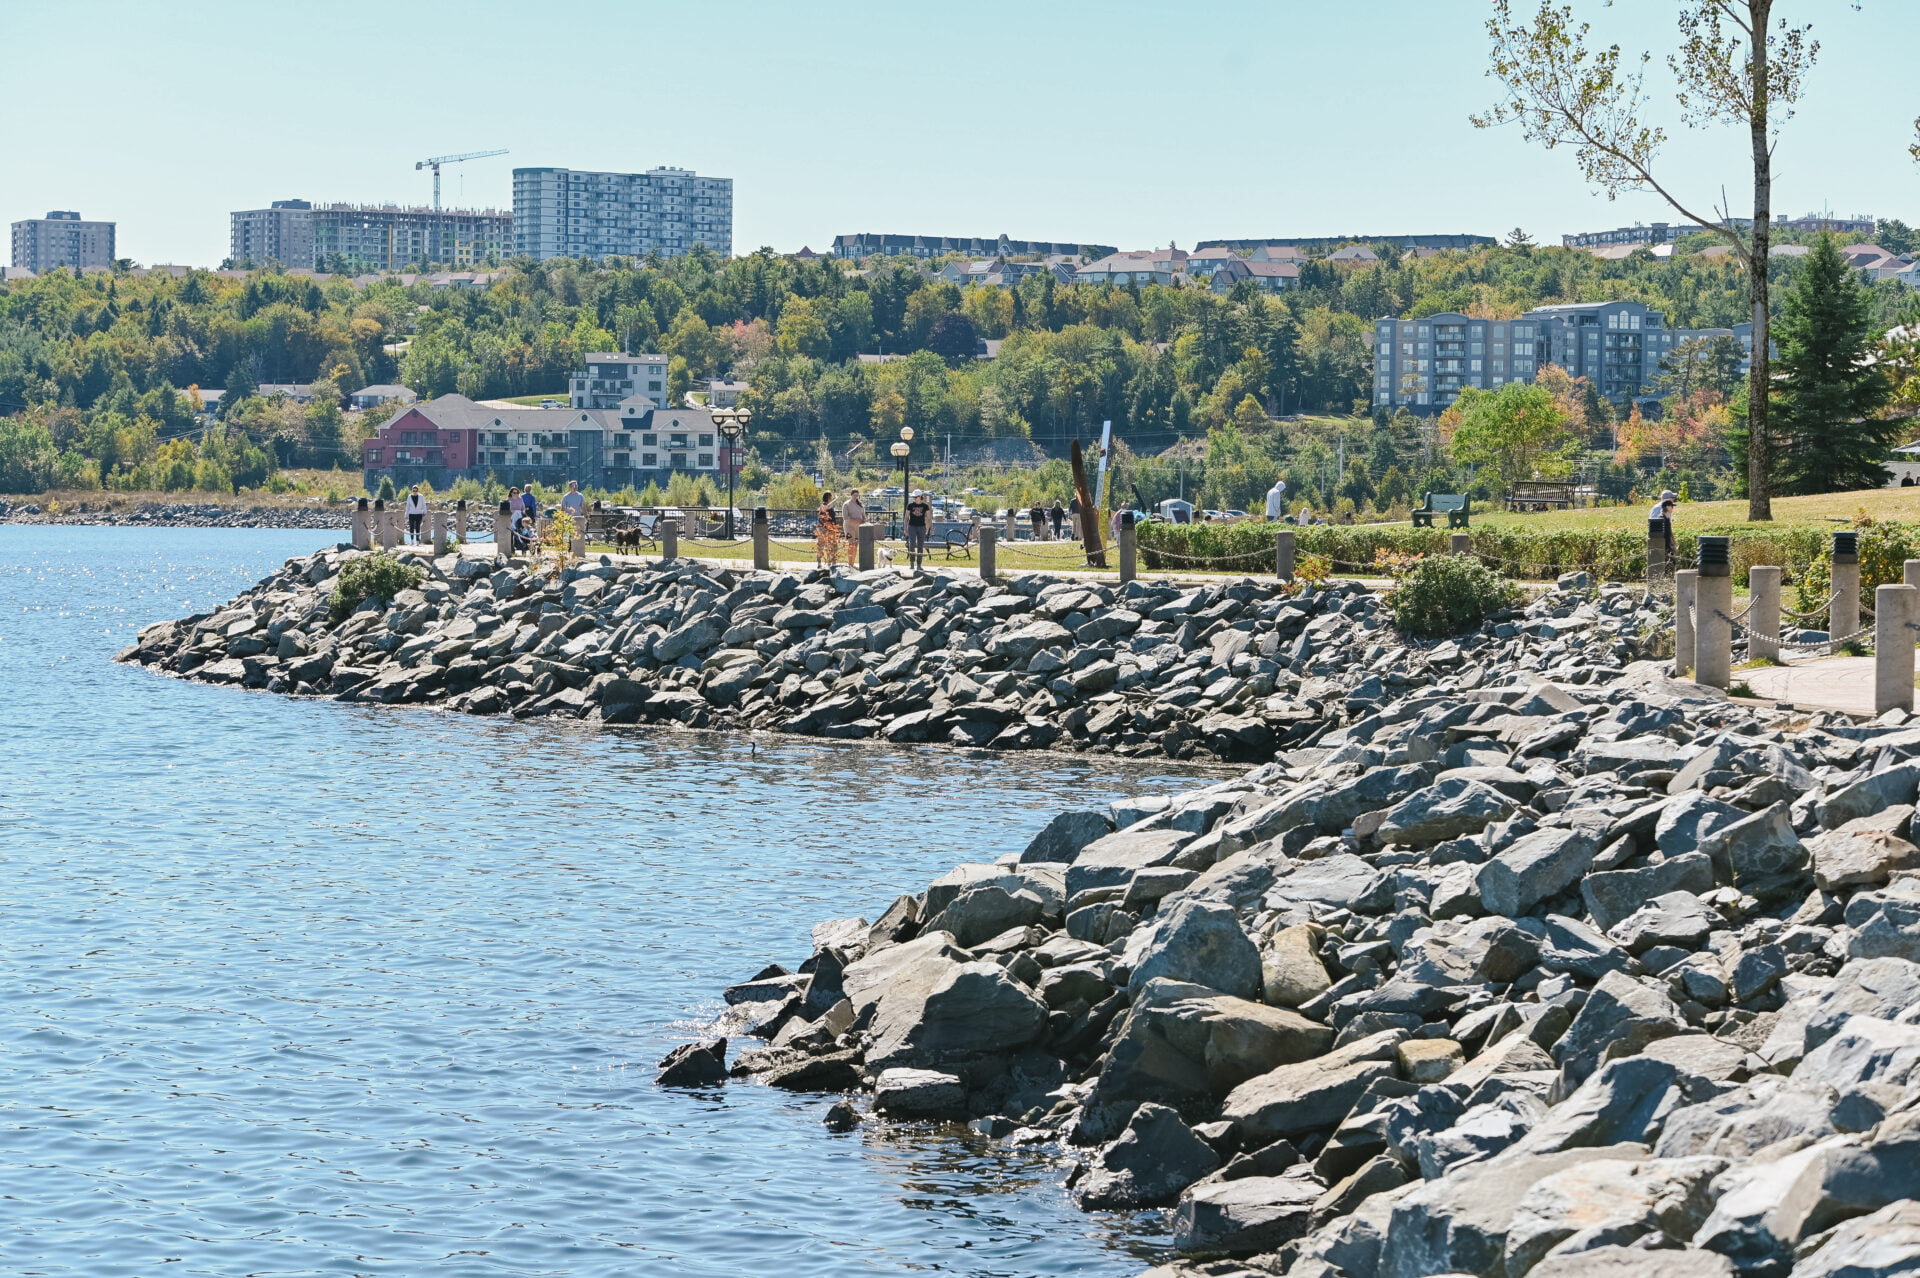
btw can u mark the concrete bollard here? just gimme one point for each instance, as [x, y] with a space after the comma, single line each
[669, 538]
[1912, 572]
[1713, 617]
[437, 526]
[1283, 555]
[1129, 548]
[460, 524]
[762, 540]
[989, 539]
[503, 530]
[383, 526]
[1893, 611]
[1657, 532]
[362, 526]
[1763, 616]
[869, 535]
[1843, 617]
[1686, 596]
[1013, 525]
[578, 546]
[1460, 543]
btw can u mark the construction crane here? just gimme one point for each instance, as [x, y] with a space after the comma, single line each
[439, 160]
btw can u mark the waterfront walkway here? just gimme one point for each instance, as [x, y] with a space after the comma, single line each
[1829, 683]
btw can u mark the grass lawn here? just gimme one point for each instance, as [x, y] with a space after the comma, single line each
[533, 401]
[1821, 509]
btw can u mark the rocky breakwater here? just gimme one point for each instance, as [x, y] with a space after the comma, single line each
[179, 515]
[1233, 670]
[1615, 979]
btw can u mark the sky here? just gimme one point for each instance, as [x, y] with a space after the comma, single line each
[1122, 123]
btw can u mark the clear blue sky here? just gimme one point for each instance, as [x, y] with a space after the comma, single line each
[1122, 122]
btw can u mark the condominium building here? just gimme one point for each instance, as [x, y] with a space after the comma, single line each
[613, 380]
[1422, 365]
[576, 213]
[867, 244]
[62, 238]
[439, 441]
[362, 237]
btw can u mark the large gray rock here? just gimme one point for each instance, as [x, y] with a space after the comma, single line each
[1611, 895]
[1685, 821]
[1185, 1045]
[1291, 972]
[919, 1093]
[1619, 1017]
[1241, 1217]
[916, 963]
[1883, 790]
[982, 913]
[1447, 809]
[1854, 858]
[1608, 1203]
[1152, 1161]
[1026, 640]
[1757, 849]
[1634, 1262]
[1064, 837]
[1342, 881]
[1459, 1224]
[1114, 859]
[1888, 988]
[1627, 1099]
[1879, 1245]
[1536, 867]
[1886, 923]
[1673, 918]
[1312, 1095]
[966, 1012]
[1201, 942]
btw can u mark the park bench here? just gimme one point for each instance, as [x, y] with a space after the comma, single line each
[956, 539]
[1530, 494]
[1453, 505]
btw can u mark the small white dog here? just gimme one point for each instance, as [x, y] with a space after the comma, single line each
[886, 556]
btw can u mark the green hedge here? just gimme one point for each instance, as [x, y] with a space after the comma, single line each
[1611, 554]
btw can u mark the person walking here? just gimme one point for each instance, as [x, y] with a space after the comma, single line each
[531, 502]
[919, 521]
[416, 512]
[1663, 511]
[826, 533]
[575, 504]
[1073, 514]
[852, 515]
[1277, 500]
[1059, 514]
[1038, 518]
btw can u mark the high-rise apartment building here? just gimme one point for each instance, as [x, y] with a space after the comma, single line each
[62, 238]
[368, 237]
[575, 213]
[1423, 364]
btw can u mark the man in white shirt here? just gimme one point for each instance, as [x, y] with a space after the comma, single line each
[1277, 499]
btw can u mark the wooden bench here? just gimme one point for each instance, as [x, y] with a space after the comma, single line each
[1453, 505]
[1540, 495]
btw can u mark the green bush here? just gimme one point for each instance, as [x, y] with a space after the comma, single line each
[375, 576]
[1537, 553]
[1448, 595]
[1885, 546]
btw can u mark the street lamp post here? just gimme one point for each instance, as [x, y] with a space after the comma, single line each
[903, 451]
[732, 423]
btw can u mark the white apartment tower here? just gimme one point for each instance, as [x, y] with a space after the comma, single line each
[62, 238]
[574, 213]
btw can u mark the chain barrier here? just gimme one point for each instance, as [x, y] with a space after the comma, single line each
[1818, 610]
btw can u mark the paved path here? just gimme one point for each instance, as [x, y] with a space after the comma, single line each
[1829, 683]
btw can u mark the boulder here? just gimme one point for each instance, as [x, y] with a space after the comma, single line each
[1865, 797]
[918, 962]
[1672, 918]
[1618, 1018]
[1063, 838]
[957, 1012]
[1202, 942]
[1291, 973]
[1341, 881]
[1459, 1223]
[1153, 1160]
[1879, 1245]
[1608, 1203]
[1535, 868]
[981, 913]
[1633, 1262]
[1886, 923]
[1757, 849]
[1685, 821]
[1447, 809]
[1860, 858]
[699, 1064]
[919, 1093]
[1112, 860]
[1611, 895]
[1244, 1216]
[1313, 1095]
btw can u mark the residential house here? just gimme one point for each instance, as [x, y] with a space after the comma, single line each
[1139, 266]
[374, 396]
[1278, 253]
[442, 440]
[1875, 262]
[724, 394]
[1356, 253]
[1270, 277]
[611, 378]
[291, 390]
[1202, 263]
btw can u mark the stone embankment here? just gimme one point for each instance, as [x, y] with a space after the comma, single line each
[1515, 978]
[178, 515]
[1233, 670]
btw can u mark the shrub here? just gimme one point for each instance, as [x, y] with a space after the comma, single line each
[1448, 595]
[1885, 546]
[375, 576]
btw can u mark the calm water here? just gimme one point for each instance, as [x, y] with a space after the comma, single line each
[302, 988]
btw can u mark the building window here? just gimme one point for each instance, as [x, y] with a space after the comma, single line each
[521, 438]
[706, 460]
[621, 459]
[649, 460]
[653, 386]
[648, 441]
[706, 441]
[622, 441]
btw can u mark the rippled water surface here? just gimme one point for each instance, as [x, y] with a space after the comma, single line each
[304, 988]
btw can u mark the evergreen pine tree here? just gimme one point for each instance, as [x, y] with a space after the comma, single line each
[1825, 392]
